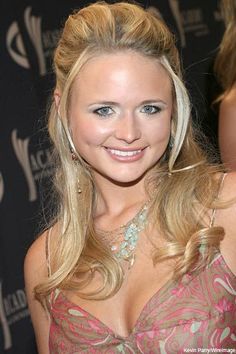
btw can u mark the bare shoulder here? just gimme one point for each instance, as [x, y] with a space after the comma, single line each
[35, 260]
[35, 273]
[227, 218]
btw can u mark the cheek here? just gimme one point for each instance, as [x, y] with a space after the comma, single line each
[160, 134]
[88, 133]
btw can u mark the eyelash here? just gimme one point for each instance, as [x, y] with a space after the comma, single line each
[110, 111]
[156, 109]
[100, 114]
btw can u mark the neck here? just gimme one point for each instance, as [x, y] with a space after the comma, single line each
[113, 198]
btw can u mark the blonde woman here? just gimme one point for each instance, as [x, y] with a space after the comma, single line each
[225, 69]
[140, 253]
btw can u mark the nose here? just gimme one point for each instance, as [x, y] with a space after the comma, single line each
[128, 129]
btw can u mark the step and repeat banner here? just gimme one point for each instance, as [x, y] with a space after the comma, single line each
[29, 32]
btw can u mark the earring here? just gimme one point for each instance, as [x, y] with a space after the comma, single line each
[171, 142]
[79, 189]
[74, 157]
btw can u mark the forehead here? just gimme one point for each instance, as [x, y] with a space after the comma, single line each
[119, 71]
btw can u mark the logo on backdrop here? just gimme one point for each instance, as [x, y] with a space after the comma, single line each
[33, 25]
[13, 308]
[43, 42]
[174, 6]
[36, 166]
[16, 47]
[193, 22]
[1, 187]
[218, 14]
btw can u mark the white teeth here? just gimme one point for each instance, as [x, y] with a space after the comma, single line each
[124, 153]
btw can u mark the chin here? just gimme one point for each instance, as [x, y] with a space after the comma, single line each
[125, 180]
[123, 177]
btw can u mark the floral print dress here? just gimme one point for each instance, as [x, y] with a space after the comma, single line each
[198, 312]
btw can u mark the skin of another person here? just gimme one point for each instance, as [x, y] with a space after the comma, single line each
[227, 128]
[225, 70]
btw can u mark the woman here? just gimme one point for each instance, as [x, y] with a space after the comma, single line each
[225, 70]
[131, 261]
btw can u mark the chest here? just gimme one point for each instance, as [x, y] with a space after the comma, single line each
[122, 311]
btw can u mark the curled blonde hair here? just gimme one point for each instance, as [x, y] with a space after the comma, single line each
[224, 66]
[178, 202]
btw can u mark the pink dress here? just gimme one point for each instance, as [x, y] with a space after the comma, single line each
[198, 312]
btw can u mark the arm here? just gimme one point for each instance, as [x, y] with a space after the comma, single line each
[227, 129]
[35, 271]
[226, 218]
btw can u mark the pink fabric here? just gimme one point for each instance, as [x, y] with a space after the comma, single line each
[198, 312]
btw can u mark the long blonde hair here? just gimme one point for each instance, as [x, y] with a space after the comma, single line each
[225, 67]
[176, 205]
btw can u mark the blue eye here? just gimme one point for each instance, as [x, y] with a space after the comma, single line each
[104, 111]
[150, 109]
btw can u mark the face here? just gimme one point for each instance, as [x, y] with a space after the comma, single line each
[120, 115]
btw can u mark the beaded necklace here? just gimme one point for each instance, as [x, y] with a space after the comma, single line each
[125, 249]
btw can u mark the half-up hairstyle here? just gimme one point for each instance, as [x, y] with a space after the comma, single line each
[182, 180]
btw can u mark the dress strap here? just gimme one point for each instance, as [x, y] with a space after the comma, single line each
[213, 214]
[47, 250]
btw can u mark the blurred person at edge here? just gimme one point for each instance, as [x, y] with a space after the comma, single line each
[225, 70]
[139, 256]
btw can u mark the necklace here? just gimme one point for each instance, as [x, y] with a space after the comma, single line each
[124, 249]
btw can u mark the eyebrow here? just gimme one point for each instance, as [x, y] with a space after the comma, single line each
[112, 103]
[154, 101]
[108, 103]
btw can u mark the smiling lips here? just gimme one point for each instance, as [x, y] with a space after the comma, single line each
[125, 155]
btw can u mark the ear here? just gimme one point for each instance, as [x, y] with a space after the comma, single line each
[57, 98]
